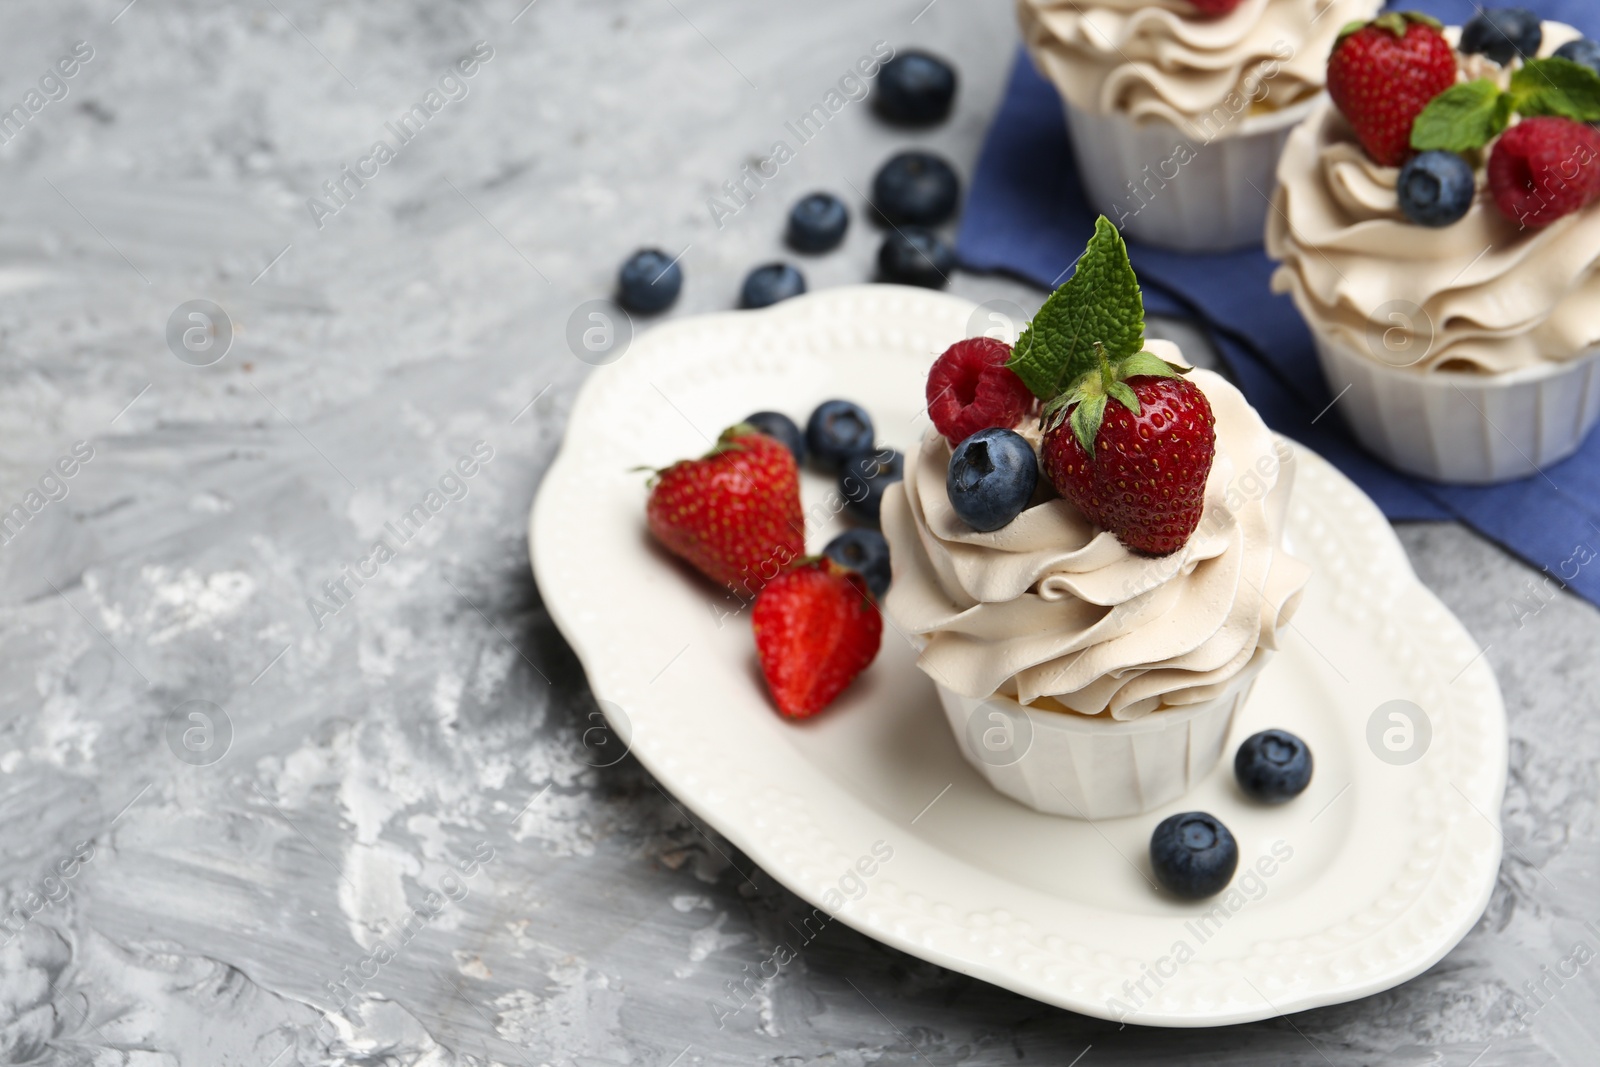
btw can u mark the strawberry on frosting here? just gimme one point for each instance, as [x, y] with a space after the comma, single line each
[1382, 74]
[1125, 437]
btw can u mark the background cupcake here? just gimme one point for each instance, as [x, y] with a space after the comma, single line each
[1451, 299]
[1178, 110]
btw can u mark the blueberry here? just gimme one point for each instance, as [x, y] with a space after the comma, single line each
[1582, 51]
[914, 256]
[918, 188]
[991, 478]
[1436, 188]
[1502, 32]
[1193, 854]
[1273, 766]
[915, 89]
[864, 477]
[838, 430]
[766, 285]
[817, 223]
[648, 281]
[781, 427]
[865, 551]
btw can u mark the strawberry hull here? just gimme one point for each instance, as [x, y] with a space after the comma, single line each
[1146, 481]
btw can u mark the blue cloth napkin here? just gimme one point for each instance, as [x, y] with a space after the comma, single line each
[1026, 216]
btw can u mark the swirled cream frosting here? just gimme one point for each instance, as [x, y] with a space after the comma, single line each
[1054, 612]
[1479, 295]
[1160, 59]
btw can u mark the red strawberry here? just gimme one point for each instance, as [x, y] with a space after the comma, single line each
[1146, 481]
[1381, 75]
[816, 629]
[1215, 8]
[1544, 168]
[971, 389]
[735, 512]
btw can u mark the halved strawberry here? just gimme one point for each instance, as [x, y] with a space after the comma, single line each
[816, 628]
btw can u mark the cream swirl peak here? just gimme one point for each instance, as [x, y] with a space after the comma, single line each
[1051, 610]
[1481, 294]
[1160, 59]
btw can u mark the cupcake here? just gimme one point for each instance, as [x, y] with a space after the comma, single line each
[1178, 109]
[1448, 268]
[1091, 615]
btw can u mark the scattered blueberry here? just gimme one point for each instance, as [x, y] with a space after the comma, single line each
[1582, 51]
[1273, 766]
[1436, 188]
[918, 188]
[649, 281]
[1502, 32]
[914, 256]
[1193, 854]
[865, 551]
[781, 427]
[838, 430]
[863, 479]
[817, 223]
[991, 478]
[766, 285]
[915, 89]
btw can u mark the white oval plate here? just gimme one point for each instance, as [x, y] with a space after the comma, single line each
[1388, 864]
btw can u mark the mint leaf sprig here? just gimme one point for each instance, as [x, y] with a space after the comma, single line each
[1468, 116]
[1100, 302]
[1393, 21]
[1088, 339]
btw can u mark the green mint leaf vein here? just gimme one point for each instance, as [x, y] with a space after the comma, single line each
[1100, 303]
[1556, 86]
[1465, 116]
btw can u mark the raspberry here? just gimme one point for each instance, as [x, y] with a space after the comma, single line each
[1544, 168]
[970, 388]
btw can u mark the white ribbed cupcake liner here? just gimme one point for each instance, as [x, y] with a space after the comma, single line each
[1215, 202]
[1093, 767]
[1461, 427]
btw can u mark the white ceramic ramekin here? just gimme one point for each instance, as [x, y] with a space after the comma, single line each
[1093, 767]
[1461, 427]
[1167, 188]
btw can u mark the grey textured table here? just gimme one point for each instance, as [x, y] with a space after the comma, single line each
[423, 734]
